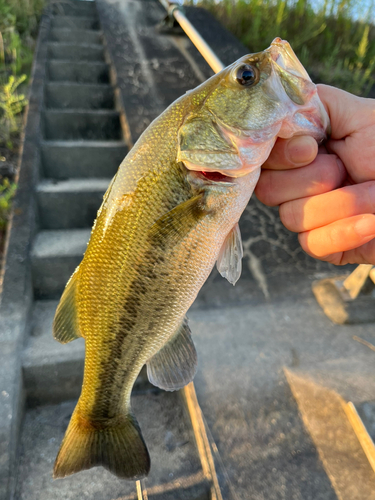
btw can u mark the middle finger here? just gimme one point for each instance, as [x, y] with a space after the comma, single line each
[324, 174]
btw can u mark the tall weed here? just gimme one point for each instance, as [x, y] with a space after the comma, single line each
[18, 28]
[11, 105]
[329, 37]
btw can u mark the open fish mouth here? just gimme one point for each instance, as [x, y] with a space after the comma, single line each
[214, 176]
[210, 177]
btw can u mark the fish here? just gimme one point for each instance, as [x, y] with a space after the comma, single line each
[170, 213]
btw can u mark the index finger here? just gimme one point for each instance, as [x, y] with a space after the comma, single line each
[292, 153]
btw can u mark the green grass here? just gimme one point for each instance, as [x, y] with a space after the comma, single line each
[18, 29]
[330, 44]
[11, 105]
[7, 191]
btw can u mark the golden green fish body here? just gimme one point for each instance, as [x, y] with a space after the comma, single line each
[130, 285]
[162, 226]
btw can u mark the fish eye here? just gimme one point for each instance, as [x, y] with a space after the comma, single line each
[247, 75]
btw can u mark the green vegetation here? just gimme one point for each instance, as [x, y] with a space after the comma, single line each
[18, 29]
[11, 105]
[7, 190]
[331, 44]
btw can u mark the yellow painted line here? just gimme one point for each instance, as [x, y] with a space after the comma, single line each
[203, 444]
[139, 490]
[361, 432]
[177, 485]
[364, 342]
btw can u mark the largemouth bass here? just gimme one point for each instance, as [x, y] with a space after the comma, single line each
[169, 214]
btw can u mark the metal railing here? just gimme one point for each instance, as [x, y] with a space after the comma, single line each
[175, 10]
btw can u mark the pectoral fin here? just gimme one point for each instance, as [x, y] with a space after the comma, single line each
[229, 262]
[175, 364]
[65, 325]
[178, 222]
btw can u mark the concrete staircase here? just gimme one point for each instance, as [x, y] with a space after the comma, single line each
[80, 150]
[81, 146]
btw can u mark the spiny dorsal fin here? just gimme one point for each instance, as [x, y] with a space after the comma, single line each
[229, 262]
[65, 324]
[175, 365]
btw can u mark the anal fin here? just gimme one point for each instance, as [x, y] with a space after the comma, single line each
[175, 365]
[65, 325]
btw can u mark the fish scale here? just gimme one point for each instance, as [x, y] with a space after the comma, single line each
[170, 213]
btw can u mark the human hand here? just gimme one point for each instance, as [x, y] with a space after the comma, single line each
[328, 195]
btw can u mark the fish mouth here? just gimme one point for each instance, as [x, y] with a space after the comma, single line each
[214, 176]
[283, 55]
[211, 177]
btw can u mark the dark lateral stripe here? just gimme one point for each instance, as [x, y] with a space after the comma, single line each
[153, 268]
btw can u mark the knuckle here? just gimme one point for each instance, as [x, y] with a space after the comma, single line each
[289, 215]
[334, 175]
[329, 175]
[264, 190]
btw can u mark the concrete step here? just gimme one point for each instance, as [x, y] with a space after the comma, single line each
[79, 72]
[73, 124]
[54, 256]
[69, 204]
[78, 96]
[52, 372]
[72, 22]
[69, 35]
[74, 8]
[75, 52]
[176, 471]
[77, 159]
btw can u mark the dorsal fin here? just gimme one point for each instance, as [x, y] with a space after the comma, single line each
[65, 324]
[175, 365]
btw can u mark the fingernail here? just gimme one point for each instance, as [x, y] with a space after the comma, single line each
[302, 149]
[365, 226]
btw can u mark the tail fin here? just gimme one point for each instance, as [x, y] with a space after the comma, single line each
[120, 448]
